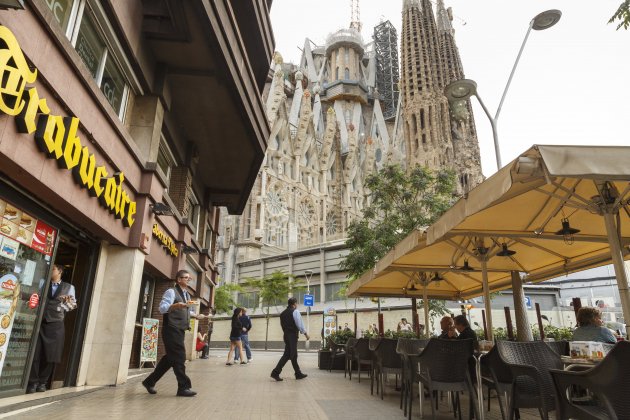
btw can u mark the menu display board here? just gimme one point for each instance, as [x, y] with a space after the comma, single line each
[148, 348]
[9, 293]
[24, 263]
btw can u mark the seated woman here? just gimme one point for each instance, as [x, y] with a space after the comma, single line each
[590, 327]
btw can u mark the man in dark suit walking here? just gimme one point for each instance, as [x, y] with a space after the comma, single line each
[175, 308]
[292, 325]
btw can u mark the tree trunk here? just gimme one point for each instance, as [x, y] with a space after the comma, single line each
[267, 329]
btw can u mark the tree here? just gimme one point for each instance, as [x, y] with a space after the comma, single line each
[622, 15]
[273, 290]
[223, 297]
[399, 202]
[437, 308]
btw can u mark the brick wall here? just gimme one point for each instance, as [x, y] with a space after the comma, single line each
[181, 181]
[160, 287]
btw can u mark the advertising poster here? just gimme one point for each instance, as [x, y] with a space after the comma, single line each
[9, 293]
[43, 238]
[149, 343]
[330, 325]
[9, 248]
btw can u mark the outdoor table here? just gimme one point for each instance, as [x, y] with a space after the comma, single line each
[571, 363]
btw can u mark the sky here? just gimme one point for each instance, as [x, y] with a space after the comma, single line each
[572, 85]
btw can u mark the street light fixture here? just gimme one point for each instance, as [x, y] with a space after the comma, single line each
[461, 90]
[308, 274]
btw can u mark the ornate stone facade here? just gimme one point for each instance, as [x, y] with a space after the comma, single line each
[328, 133]
[430, 61]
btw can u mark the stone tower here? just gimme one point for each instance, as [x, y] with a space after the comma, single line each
[433, 135]
[327, 134]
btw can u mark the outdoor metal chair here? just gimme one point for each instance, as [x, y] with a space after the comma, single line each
[386, 361]
[444, 365]
[408, 347]
[361, 355]
[560, 347]
[349, 349]
[336, 351]
[532, 386]
[373, 345]
[496, 375]
[608, 382]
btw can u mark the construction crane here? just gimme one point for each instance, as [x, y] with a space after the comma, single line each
[355, 15]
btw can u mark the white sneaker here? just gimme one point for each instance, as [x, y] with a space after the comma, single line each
[249, 360]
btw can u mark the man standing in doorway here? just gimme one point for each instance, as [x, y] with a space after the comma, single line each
[292, 325]
[175, 308]
[247, 325]
[49, 349]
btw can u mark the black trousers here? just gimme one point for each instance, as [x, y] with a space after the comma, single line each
[175, 358]
[290, 353]
[41, 369]
[48, 352]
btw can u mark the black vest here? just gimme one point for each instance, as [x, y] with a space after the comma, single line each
[287, 322]
[54, 312]
[178, 318]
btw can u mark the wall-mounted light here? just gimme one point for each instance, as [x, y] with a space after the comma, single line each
[187, 249]
[161, 209]
[11, 4]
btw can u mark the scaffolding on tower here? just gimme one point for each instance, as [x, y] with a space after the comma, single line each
[355, 15]
[387, 68]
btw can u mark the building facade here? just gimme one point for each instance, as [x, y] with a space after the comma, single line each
[330, 129]
[124, 125]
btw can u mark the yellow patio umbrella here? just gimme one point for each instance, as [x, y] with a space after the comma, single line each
[552, 211]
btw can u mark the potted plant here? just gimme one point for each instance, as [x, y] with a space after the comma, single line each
[339, 337]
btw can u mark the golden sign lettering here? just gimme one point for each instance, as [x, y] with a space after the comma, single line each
[56, 136]
[167, 242]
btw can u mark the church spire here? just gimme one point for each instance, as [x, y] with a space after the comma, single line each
[444, 19]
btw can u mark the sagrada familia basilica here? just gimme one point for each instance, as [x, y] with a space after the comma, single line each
[345, 110]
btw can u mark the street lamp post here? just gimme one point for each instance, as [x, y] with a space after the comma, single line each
[308, 274]
[461, 90]
[457, 93]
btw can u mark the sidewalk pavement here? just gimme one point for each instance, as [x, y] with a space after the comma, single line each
[243, 392]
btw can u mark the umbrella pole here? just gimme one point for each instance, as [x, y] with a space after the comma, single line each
[425, 301]
[620, 268]
[523, 330]
[414, 316]
[486, 297]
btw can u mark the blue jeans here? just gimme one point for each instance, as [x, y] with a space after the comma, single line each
[248, 351]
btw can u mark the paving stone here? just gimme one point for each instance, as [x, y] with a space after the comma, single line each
[245, 392]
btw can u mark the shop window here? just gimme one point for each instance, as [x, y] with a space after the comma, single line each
[194, 211]
[63, 10]
[333, 292]
[248, 300]
[89, 31]
[165, 161]
[27, 245]
[146, 298]
[315, 291]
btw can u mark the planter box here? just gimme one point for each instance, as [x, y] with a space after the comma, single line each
[323, 361]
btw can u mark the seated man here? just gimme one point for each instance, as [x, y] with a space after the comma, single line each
[448, 328]
[463, 328]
